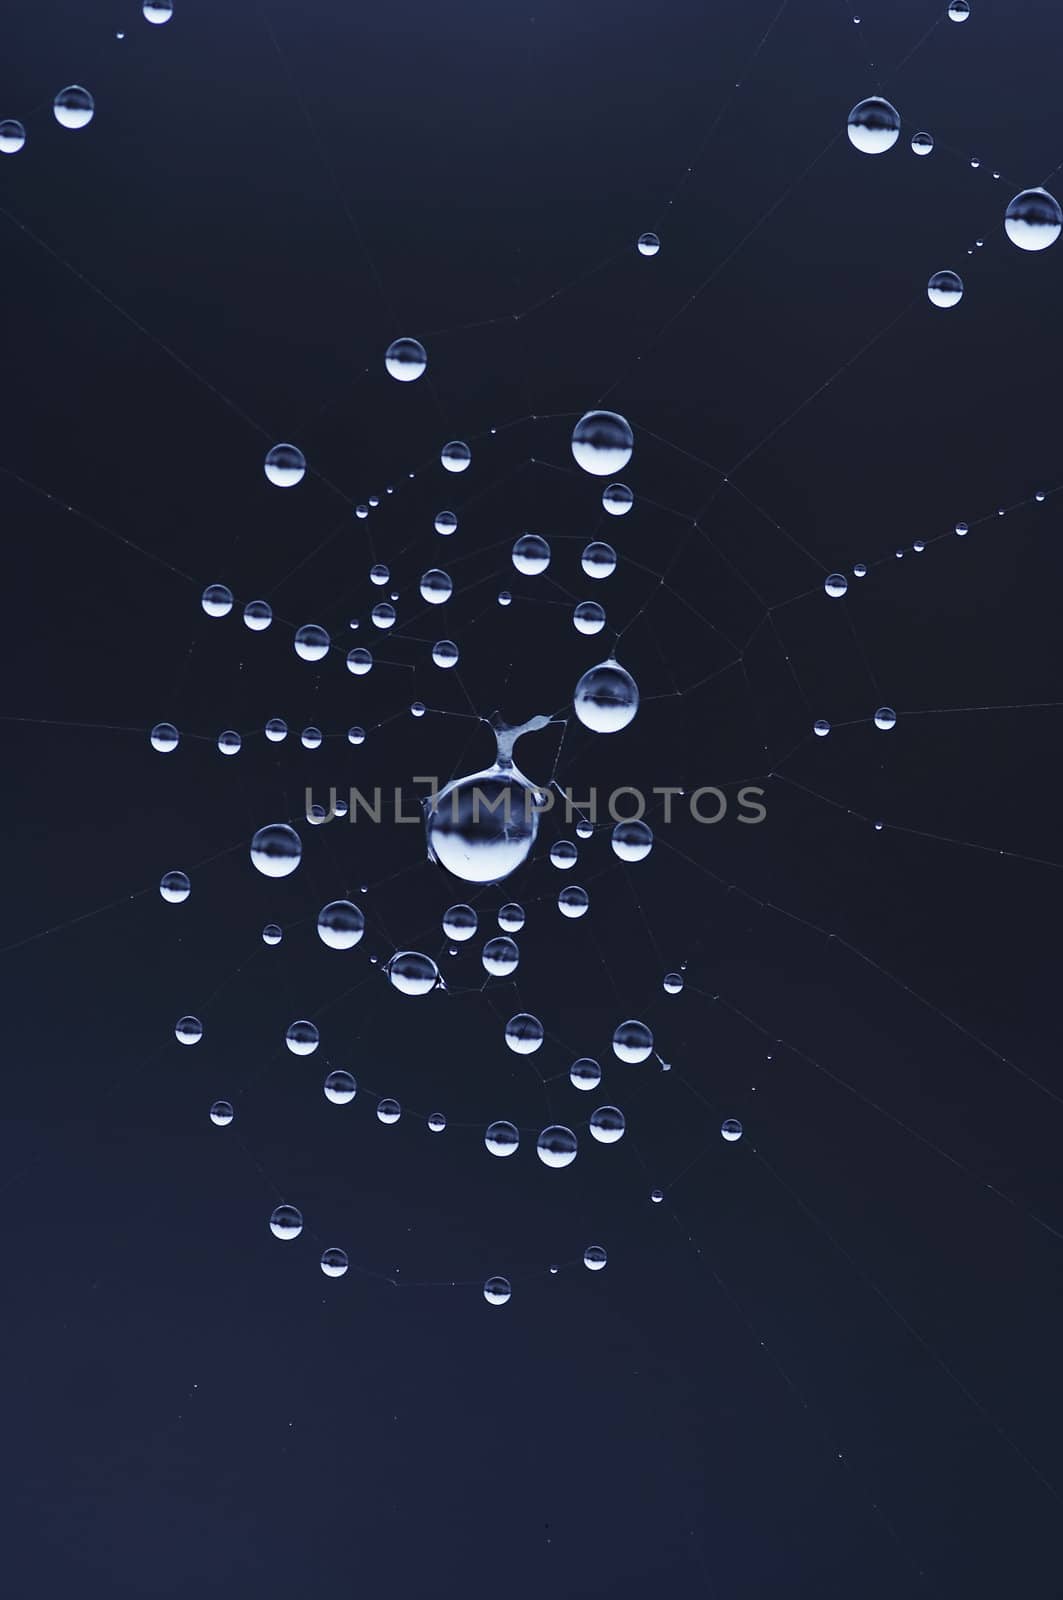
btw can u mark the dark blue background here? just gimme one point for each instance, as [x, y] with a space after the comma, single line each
[828, 1364]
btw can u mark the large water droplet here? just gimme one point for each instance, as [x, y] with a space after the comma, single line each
[74, 107]
[606, 698]
[286, 1222]
[1033, 220]
[602, 443]
[502, 1139]
[276, 850]
[945, 289]
[285, 466]
[340, 1088]
[411, 972]
[340, 925]
[175, 887]
[632, 1041]
[405, 360]
[556, 1146]
[873, 126]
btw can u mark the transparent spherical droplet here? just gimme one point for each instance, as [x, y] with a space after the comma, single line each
[276, 730]
[388, 1112]
[1033, 220]
[361, 512]
[481, 828]
[258, 614]
[436, 587]
[302, 1038]
[511, 917]
[632, 1041]
[821, 727]
[731, 1129]
[217, 600]
[860, 570]
[340, 1088]
[598, 560]
[276, 850]
[873, 126]
[836, 585]
[649, 244]
[12, 137]
[617, 499]
[919, 546]
[74, 107]
[383, 615]
[436, 1122]
[672, 983]
[460, 922]
[502, 1139]
[286, 1222]
[272, 933]
[594, 1257]
[606, 698]
[157, 11]
[410, 972]
[573, 901]
[455, 456]
[656, 1195]
[556, 1146]
[584, 829]
[229, 742]
[563, 854]
[359, 661]
[405, 360]
[524, 1033]
[922, 143]
[531, 554]
[602, 443]
[885, 718]
[500, 957]
[497, 1291]
[632, 841]
[221, 1113]
[445, 523]
[607, 1124]
[334, 1262]
[285, 466]
[340, 925]
[445, 653]
[188, 1030]
[355, 735]
[944, 289]
[311, 642]
[164, 738]
[175, 887]
[504, 597]
[585, 1073]
[379, 574]
[959, 11]
[588, 618]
